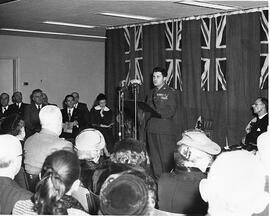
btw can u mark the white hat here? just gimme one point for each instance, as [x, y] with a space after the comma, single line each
[90, 139]
[10, 147]
[200, 141]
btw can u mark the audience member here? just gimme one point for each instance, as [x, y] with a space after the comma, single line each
[40, 145]
[45, 99]
[235, 185]
[13, 125]
[101, 118]
[73, 119]
[59, 177]
[18, 106]
[32, 123]
[90, 145]
[128, 193]
[178, 192]
[263, 155]
[81, 106]
[131, 152]
[5, 108]
[10, 164]
[258, 124]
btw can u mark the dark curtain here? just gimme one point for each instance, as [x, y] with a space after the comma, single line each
[243, 53]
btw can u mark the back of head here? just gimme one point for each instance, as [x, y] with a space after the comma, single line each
[89, 144]
[10, 155]
[195, 149]
[51, 118]
[235, 185]
[59, 172]
[126, 193]
[131, 152]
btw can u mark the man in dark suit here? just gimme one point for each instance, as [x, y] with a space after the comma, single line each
[32, 123]
[81, 106]
[18, 106]
[73, 119]
[5, 108]
[257, 125]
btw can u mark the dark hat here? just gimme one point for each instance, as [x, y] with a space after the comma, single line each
[125, 195]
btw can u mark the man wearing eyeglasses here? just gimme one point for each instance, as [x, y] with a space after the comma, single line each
[10, 164]
[258, 124]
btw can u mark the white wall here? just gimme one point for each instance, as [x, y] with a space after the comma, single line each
[57, 66]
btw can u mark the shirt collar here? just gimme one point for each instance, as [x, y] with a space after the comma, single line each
[98, 107]
[260, 117]
[76, 105]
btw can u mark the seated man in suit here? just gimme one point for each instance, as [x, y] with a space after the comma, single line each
[31, 119]
[10, 164]
[81, 106]
[18, 106]
[178, 192]
[257, 125]
[73, 119]
[5, 108]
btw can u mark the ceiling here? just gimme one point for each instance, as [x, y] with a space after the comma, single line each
[30, 14]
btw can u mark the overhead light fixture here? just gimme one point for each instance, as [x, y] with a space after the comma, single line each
[129, 16]
[206, 5]
[51, 33]
[68, 24]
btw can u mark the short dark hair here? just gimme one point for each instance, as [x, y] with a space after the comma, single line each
[264, 101]
[69, 95]
[161, 70]
[101, 97]
[36, 91]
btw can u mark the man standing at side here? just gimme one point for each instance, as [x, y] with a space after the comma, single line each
[18, 106]
[31, 119]
[82, 107]
[160, 128]
[10, 164]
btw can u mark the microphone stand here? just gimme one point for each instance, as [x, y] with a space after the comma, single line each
[121, 114]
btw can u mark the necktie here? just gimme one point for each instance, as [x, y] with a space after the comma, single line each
[5, 109]
[18, 106]
[39, 107]
[69, 114]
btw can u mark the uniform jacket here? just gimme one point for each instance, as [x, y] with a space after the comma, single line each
[21, 110]
[163, 101]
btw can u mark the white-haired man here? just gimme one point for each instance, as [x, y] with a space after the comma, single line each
[178, 192]
[10, 164]
[235, 185]
[40, 145]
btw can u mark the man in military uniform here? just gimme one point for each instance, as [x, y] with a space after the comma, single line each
[160, 127]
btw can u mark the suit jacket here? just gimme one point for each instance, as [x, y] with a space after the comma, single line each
[84, 110]
[31, 119]
[178, 192]
[20, 110]
[7, 113]
[257, 129]
[76, 115]
[11, 192]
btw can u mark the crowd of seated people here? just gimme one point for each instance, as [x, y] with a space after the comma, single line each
[53, 161]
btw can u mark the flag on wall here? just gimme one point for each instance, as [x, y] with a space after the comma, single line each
[173, 53]
[213, 54]
[264, 65]
[133, 53]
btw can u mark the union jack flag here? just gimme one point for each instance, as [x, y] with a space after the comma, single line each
[213, 53]
[173, 38]
[264, 36]
[133, 53]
